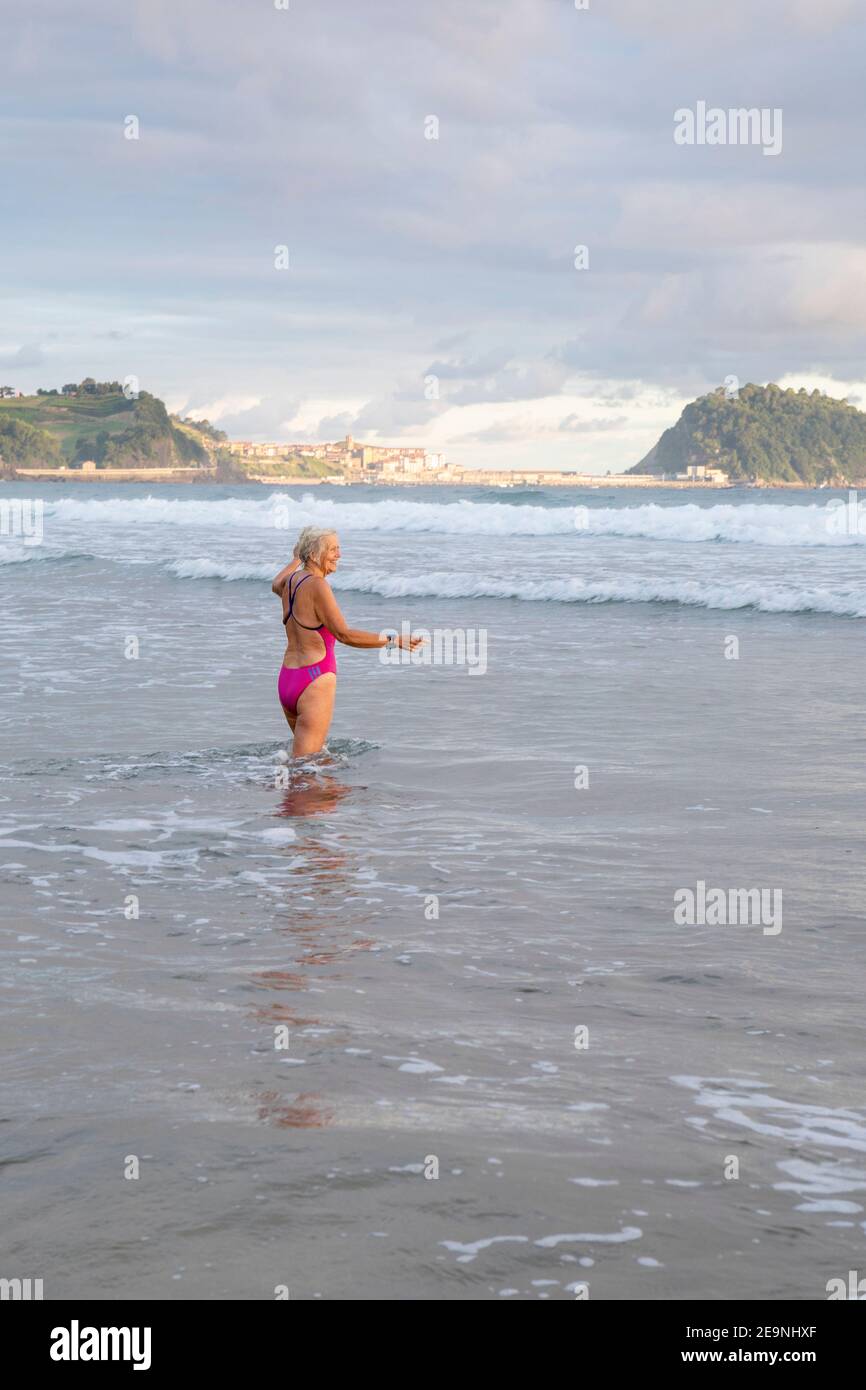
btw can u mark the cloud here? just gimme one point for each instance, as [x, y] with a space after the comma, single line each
[731, 22]
[394, 415]
[531, 427]
[575, 424]
[28, 355]
[505, 431]
[413, 257]
[248, 418]
[470, 369]
[514, 382]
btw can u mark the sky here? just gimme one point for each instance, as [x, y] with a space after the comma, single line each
[430, 170]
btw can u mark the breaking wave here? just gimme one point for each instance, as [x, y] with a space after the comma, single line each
[764, 595]
[768, 524]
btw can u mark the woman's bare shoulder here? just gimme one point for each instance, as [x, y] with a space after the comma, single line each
[319, 588]
[315, 591]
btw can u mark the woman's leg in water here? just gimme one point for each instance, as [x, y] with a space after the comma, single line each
[315, 711]
[291, 719]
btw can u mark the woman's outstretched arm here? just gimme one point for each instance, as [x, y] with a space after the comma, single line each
[328, 612]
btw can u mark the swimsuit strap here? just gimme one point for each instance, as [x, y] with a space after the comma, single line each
[292, 597]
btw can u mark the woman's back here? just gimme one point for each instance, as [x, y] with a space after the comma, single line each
[304, 643]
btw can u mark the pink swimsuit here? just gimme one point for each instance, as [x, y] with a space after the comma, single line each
[294, 681]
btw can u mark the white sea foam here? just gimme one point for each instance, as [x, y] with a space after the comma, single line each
[607, 1238]
[218, 569]
[755, 523]
[820, 1179]
[14, 554]
[764, 595]
[846, 1208]
[735, 1101]
[140, 858]
[466, 1252]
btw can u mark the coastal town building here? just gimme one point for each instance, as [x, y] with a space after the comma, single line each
[703, 473]
[366, 461]
[354, 462]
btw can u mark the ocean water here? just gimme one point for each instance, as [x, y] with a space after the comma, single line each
[461, 922]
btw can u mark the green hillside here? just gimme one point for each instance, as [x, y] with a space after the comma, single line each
[95, 420]
[768, 435]
[289, 464]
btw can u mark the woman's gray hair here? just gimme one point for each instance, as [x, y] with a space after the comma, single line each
[311, 541]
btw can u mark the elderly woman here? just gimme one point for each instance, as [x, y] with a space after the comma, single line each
[314, 623]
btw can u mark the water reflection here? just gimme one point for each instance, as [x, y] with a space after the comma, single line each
[312, 794]
[320, 920]
[304, 1112]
